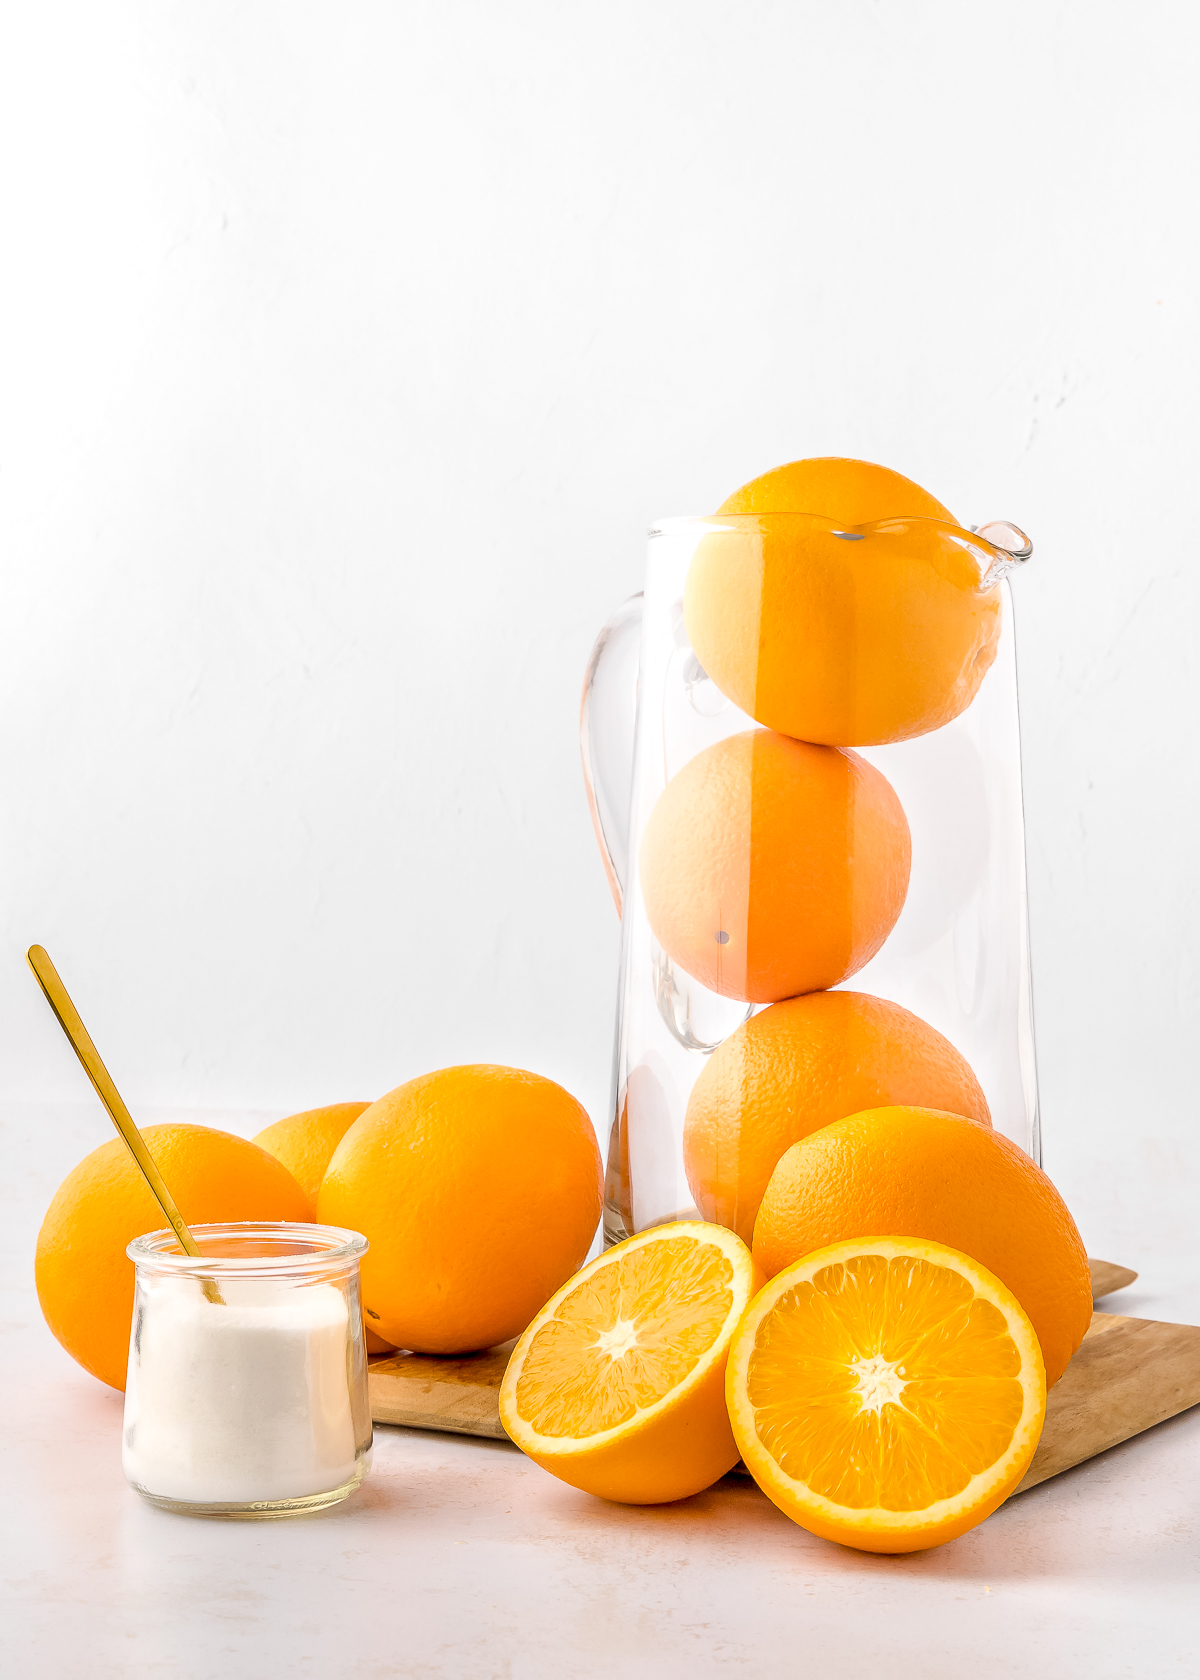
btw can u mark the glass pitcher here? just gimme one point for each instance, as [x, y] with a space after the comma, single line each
[895, 772]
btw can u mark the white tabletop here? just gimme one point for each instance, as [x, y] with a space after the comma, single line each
[461, 1558]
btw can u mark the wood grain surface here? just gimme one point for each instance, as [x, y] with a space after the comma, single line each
[1107, 1278]
[1128, 1374]
[424, 1391]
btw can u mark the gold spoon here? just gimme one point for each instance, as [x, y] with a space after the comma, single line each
[68, 1019]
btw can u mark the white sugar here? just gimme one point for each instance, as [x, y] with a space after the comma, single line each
[242, 1401]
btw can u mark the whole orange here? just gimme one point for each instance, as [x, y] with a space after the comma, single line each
[796, 1067]
[85, 1280]
[771, 867]
[478, 1189]
[837, 602]
[305, 1142]
[913, 1172]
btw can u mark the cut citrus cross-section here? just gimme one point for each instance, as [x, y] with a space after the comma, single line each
[618, 1385]
[886, 1392]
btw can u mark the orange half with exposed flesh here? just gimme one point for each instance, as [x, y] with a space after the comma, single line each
[618, 1385]
[887, 1393]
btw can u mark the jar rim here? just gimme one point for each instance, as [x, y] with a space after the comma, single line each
[300, 1248]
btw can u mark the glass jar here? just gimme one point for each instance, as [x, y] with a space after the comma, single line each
[247, 1386]
[879, 614]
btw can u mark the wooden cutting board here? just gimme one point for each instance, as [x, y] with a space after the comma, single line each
[1127, 1375]
[422, 1391]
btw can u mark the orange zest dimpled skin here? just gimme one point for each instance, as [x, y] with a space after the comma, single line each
[916, 1173]
[770, 867]
[796, 1067]
[842, 604]
[886, 1393]
[618, 1385]
[478, 1189]
[84, 1277]
[839, 488]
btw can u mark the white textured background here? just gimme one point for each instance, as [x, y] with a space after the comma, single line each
[349, 348]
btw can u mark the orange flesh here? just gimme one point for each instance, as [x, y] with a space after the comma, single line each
[910, 1383]
[626, 1337]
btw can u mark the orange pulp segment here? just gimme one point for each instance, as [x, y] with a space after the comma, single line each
[887, 1393]
[617, 1386]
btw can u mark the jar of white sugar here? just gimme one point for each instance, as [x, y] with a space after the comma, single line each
[247, 1387]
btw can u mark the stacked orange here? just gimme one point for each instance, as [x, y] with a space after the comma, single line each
[842, 606]
[836, 605]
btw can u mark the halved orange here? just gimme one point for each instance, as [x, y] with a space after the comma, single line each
[886, 1392]
[618, 1385]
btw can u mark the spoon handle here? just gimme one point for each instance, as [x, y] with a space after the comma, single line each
[68, 1019]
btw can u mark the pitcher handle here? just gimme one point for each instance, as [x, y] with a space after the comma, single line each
[607, 718]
